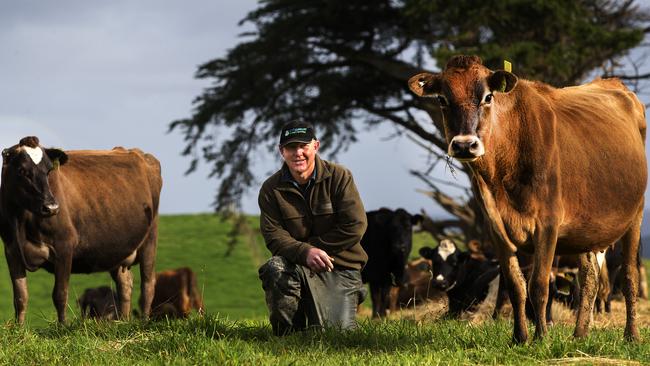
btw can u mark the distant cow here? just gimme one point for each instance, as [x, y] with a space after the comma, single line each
[417, 285]
[387, 241]
[176, 294]
[464, 276]
[555, 170]
[99, 303]
[79, 212]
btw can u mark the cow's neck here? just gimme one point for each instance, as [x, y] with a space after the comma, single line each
[514, 168]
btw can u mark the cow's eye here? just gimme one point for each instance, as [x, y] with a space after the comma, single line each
[488, 99]
[442, 100]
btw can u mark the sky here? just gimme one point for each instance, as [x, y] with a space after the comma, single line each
[99, 74]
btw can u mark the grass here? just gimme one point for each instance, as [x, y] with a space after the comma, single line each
[214, 340]
[236, 331]
[229, 284]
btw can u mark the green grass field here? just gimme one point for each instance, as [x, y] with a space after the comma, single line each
[229, 284]
[235, 330]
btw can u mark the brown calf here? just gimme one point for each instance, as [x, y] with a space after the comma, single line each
[176, 294]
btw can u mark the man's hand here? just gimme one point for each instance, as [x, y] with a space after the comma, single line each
[318, 261]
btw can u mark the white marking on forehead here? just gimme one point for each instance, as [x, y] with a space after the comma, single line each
[600, 258]
[36, 153]
[446, 248]
[440, 278]
[421, 83]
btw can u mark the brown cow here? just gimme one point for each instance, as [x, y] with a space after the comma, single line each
[176, 294]
[99, 303]
[555, 170]
[416, 286]
[79, 212]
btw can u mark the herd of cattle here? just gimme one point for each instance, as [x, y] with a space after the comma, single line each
[467, 275]
[557, 172]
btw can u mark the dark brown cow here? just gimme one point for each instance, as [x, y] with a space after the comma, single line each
[79, 212]
[416, 286]
[99, 303]
[555, 170]
[176, 294]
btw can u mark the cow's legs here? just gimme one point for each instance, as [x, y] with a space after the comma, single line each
[516, 284]
[124, 285]
[502, 293]
[588, 278]
[147, 255]
[630, 243]
[62, 269]
[378, 294]
[19, 283]
[538, 286]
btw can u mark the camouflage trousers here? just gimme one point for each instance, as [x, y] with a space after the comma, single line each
[298, 299]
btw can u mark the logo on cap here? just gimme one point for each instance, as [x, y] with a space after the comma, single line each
[294, 131]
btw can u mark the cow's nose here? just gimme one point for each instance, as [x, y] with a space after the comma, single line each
[440, 281]
[466, 147]
[50, 209]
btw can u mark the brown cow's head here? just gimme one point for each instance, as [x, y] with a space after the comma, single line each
[25, 170]
[466, 92]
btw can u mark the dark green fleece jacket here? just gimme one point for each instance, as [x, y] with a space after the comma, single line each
[331, 217]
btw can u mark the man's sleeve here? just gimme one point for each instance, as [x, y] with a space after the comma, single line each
[351, 221]
[277, 239]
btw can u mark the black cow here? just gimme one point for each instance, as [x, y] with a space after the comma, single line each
[388, 241]
[465, 277]
[99, 303]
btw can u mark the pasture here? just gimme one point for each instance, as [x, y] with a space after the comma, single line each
[235, 329]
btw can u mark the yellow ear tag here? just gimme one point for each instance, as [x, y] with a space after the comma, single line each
[55, 164]
[507, 66]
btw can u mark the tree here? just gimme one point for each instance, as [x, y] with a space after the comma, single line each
[341, 64]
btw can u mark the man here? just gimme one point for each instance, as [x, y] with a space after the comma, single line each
[312, 220]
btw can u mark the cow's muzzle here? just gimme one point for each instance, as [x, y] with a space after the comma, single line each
[466, 148]
[50, 209]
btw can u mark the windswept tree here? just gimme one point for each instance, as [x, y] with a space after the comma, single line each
[343, 65]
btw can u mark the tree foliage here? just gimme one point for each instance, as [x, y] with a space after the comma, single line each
[343, 65]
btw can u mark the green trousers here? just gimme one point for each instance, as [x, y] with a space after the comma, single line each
[298, 299]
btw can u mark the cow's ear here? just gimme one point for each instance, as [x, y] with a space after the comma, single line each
[426, 252]
[502, 81]
[58, 157]
[425, 84]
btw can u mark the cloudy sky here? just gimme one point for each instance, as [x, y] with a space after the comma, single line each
[99, 74]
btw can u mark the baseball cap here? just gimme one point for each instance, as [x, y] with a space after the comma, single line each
[297, 131]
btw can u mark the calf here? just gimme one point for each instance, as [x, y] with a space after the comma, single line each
[464, 276]
[387, 241]
[416, 286]
[176, 294]
[99, 303]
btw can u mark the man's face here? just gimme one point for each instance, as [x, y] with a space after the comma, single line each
[299, 156]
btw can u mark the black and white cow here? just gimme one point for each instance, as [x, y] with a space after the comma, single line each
[465, 277]
[388, 241]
